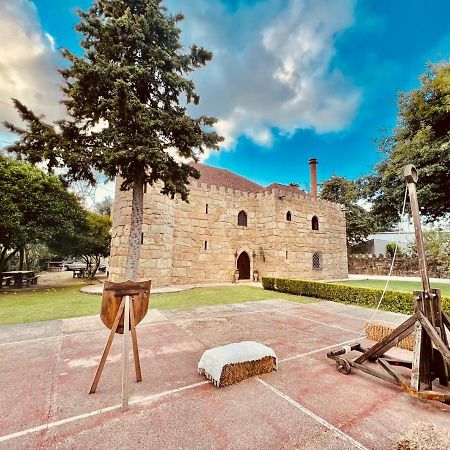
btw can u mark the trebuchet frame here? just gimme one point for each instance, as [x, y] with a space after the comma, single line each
[431, 354]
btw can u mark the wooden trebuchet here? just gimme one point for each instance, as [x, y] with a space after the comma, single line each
[117, 300]
[430, 325]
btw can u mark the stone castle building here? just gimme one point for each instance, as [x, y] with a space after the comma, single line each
[229, 224]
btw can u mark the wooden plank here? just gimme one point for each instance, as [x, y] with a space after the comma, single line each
[371, 371]
[126, 333]
[436, 339]
[378, 348]
[415, 373]
[107, 348]
[428, 395]
[137, 364]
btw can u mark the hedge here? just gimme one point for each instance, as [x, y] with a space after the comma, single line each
[400, 302]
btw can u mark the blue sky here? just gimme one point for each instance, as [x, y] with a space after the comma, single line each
[290, 79]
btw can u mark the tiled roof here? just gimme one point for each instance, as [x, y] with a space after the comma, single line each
[222, 177]
[285, 187]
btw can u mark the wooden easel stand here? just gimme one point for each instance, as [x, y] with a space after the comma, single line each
[126, 310]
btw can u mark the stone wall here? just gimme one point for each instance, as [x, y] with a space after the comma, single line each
[403, 266]
[174, 235]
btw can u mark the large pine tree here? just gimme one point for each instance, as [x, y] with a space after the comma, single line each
[126, 99]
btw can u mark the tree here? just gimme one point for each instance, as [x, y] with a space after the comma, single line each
[126, 99]
[359, 221]
[91, 242]
[437, 250]
[35, 207]
[422, 138]
[104, 207]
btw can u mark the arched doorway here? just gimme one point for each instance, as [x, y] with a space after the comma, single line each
[243, 265]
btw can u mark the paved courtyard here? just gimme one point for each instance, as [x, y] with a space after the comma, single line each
[46, 370]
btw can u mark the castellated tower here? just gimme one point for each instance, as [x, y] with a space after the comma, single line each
[157, 235]
[230, 224]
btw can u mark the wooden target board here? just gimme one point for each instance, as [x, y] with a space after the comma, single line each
[113, 294]
[124, 305]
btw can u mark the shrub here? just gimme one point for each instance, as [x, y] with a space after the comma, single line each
[401, 302]
[268, 283]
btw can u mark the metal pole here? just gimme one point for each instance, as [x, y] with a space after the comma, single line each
[411, 176]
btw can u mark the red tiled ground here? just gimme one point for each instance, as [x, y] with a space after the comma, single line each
[306, 404]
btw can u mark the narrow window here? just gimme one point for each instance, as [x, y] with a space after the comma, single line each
[206, 245]
[142, 238]
[315, 223]
[289, 216]
[145, 188]
[286, 254]
[317, 261]
[206, 209]
[242, 219]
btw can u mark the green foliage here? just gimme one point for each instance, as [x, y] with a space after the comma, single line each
[91, 242]
[422, 138]
[359, 221]
[437, 249]
[126, 98]
[35, 208]
[104, 207]
[390, 249]
[400, 302]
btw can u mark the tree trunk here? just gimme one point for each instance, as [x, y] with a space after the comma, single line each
[22, 257]
[134, 239]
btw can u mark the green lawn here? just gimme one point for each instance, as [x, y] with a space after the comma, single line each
[394, 285]
[68, 301]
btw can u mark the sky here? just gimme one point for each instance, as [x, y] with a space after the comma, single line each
[289, 80]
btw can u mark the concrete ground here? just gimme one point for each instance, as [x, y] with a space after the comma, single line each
[394, 278]
[47, 368]
[97, 289]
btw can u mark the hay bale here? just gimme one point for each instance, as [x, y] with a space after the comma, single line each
[378, 331]
[233, 363]
[424, 436]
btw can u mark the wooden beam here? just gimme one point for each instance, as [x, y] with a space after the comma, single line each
[107, 348]
[415, 373]
[126, 333]
[405, 329]
[433, 334]
[137, 364]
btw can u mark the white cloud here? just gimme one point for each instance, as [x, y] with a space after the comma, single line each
[28, 63]
[272, 66]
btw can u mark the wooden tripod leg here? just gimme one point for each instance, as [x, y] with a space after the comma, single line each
[137, 363]
[107, 347]
[126, 332]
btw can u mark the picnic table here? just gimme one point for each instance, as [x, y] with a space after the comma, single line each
[20, 277]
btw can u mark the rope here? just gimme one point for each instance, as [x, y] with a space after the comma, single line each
[391, 269]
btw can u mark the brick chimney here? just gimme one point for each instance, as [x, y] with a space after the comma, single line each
[313, 176]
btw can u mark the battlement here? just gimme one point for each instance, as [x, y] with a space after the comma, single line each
[213, 189]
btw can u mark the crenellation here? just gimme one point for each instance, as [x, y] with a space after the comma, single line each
[175, 232]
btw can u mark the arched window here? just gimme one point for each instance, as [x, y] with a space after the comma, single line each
[315, 223]
[289, 216]
[317, 261]
[242, 219]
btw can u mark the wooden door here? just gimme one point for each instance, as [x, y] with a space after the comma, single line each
[243, 265]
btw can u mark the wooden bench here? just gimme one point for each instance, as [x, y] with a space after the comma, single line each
[7, 280]
[30, 281]
[78, 273]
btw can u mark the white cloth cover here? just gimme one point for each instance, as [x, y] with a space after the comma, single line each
[213, 360]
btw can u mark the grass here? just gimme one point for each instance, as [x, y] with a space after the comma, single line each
[395, 285]
[68, 301]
